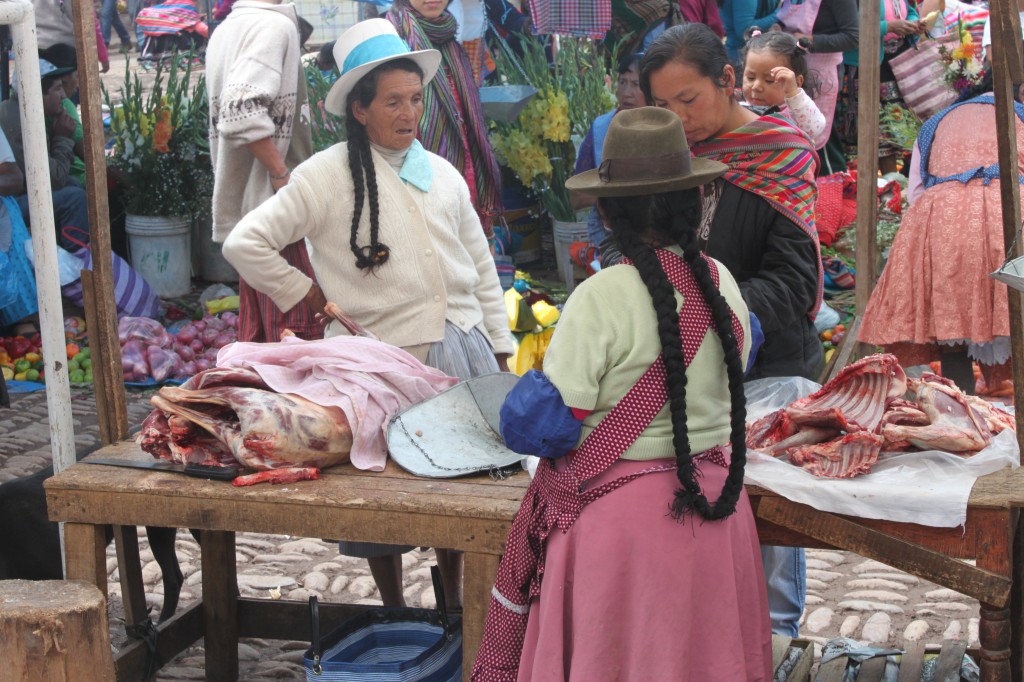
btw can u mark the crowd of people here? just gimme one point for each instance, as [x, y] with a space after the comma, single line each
[702, 184]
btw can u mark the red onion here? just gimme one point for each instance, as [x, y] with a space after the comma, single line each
[186, 334]
[230, 319]
[208, 335]
[199, 325]
[197, 346]
[184, 352]
[202, 364]
[214, 322]
[222, 340]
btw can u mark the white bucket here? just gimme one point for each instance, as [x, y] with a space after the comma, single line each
[565, 234]
[161, 252]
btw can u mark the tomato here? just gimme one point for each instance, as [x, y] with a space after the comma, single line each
[72, 350]
[18, 346]
[33, 357]
[826, 335]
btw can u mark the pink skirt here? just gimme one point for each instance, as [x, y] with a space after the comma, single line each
[630, 594]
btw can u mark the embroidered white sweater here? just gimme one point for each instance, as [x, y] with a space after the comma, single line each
[252, 78]
[440, 265]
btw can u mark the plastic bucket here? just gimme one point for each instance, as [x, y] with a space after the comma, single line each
[211, 266]
[565, 234]
[160, 248]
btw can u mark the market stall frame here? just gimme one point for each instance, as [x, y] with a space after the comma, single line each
[1008, 626]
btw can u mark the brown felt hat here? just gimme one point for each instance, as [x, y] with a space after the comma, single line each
[645, 152]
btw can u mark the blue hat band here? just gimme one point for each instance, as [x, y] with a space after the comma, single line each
[373, 49]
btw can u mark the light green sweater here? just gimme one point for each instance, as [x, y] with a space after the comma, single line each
[608, 337]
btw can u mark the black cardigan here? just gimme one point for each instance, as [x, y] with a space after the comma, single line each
[776, 265]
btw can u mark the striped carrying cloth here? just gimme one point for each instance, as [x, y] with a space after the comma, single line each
[168, 18]
[587, 18]
[776, 161]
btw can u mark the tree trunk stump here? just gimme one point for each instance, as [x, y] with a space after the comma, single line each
[54, 631]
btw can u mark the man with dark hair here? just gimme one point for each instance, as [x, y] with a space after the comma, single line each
[70, 207]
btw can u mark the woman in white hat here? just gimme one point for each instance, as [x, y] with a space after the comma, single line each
[393, 237]
[634, 555]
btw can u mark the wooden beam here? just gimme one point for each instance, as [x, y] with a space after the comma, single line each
[104, 345]
[975, 582]
[1006, 70]
[135, 662]
[867, 151]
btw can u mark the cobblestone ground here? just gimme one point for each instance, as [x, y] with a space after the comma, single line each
[846, 594]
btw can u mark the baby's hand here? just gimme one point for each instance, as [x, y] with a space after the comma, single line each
[786, 79]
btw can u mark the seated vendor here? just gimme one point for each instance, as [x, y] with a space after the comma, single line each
[70, 206]
[18, 305]
[393, 239]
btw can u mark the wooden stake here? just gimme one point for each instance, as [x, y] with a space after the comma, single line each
[867, 151]
[55, 631]
[106, 351]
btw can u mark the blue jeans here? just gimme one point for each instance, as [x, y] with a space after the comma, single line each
[110, 18]
[785, 571]
[70, 207]
[134, 7]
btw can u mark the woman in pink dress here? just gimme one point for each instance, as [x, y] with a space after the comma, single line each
[634, 555]
[935, 300]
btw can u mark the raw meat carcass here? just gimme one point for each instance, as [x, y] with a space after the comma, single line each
[952, 425]
[289, 475]
[867, 399]
[263, 429]
[845, 457]
[855, 399]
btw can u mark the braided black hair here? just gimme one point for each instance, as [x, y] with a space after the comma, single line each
[673, 216]
[360, 164]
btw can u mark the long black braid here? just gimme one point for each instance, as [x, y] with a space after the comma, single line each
[360, 164]
[675, 216]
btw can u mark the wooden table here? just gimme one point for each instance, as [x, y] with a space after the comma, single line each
[471, 515]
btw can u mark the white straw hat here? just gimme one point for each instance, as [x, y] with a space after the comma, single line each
[366, 46]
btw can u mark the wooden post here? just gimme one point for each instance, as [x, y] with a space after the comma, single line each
[867, 152]
[102, 316]
[55, 631]
[1007, 70]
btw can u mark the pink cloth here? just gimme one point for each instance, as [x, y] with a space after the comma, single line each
[368, 380]
[630, 594]
[826, 66]
[101, 47]
[703, 12]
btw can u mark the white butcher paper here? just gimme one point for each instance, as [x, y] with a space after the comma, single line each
[929, 488]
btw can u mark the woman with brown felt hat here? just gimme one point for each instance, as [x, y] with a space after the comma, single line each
[634, 554]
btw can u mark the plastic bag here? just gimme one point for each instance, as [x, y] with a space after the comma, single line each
[134, 362]
[162, 364]
[215, 291]
[149, 332]
[69, 266]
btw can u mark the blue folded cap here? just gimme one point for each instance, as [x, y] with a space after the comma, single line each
[536, 421]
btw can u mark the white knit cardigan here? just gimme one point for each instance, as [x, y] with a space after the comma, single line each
[440, 265]
[252, 75]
